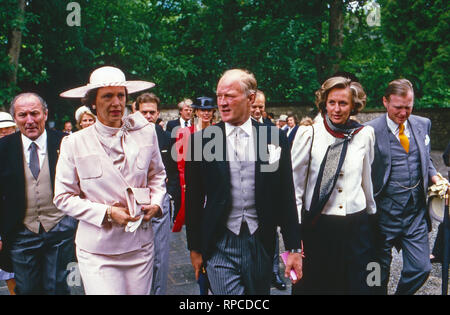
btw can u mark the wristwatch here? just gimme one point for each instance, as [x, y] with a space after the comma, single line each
[296, 250]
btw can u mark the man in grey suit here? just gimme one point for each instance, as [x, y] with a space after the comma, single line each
[401, 173]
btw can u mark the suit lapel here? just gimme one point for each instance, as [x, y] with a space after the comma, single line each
[259, 178]
[383, 141]
[17, 162]
[52, 151]
[419, 137]
[223, 165]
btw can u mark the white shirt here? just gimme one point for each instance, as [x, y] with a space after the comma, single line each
[41, 143]
[353, 191]
[395, 128]
[182, 123]
[247, 140]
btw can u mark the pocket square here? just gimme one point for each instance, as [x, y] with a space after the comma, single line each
[427, 140]
[274, 153]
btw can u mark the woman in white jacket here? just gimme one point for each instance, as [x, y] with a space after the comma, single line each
[331, 163]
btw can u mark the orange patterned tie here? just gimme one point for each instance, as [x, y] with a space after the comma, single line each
[404, 141]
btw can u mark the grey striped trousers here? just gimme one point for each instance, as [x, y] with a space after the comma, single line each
[240, 265]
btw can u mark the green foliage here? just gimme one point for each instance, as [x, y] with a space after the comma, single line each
[184, 46]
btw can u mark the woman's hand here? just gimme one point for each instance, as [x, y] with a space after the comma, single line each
[122, 216]
[151, 211]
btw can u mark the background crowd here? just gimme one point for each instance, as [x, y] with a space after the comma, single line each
[343, 193]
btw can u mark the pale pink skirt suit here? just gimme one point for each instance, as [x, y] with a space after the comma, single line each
[101, 166]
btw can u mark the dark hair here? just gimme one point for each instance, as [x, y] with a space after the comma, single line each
[148, 98]
[293, 116]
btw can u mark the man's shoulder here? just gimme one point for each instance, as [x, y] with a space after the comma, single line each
[419, 119]
[173, 122]
[10, 138]
[377, 122]
[56, 133]
[7, 141]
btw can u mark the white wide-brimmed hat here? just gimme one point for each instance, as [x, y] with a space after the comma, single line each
[6, 120]
[82, 110]
[108, 76]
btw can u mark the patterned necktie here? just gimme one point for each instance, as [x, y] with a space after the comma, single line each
[239, 144]
[404, 141]
[186, 123]
[34, 160]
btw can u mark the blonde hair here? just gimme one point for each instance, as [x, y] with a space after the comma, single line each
[89, 113]
[185, 102]
[358, 95]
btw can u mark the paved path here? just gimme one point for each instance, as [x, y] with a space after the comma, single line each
[182, 281]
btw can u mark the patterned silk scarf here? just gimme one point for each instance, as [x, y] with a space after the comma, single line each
[331, 165]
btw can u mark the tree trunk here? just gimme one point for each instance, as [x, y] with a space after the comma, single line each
[15, 43]
[336, 35]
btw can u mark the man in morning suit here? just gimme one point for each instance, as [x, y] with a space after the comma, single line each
[258, 108]
[401, 173]
[235, 201]
[38, 239]
[185, 110]
[149, 105]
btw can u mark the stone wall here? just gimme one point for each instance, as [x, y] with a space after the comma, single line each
[440, 119]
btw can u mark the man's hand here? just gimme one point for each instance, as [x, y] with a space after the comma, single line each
[294, 261]
[1, 246]
[197, 262]
[435, 179]
[151, 211]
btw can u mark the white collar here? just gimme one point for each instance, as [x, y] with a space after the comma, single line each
[182, 121]
[41, 142]
[393, 126]
[247, 127]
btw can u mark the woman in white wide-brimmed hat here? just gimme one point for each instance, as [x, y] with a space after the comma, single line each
[84, 117]
[111, 178]
[7, 124]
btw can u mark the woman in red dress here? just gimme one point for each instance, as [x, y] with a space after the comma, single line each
[204, 109]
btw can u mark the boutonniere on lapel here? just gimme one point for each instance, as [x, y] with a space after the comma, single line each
[427, 140]
[274, 153]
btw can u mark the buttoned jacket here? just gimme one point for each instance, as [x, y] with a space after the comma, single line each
[87, 182]
[381, 168]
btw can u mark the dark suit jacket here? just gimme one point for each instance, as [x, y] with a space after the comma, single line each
[274, 194]
[292, 135]
[12, 181]
[171, 124]
[266, 121]
[173, 180]
[381, 166]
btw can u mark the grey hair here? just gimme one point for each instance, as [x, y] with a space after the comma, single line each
[246, 79]
[27, 94]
